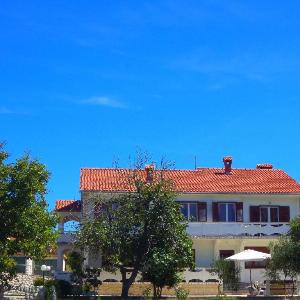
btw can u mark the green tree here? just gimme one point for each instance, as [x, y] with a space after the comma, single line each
[228, 272]
[136, 228]
[285, 254]
[26, 225]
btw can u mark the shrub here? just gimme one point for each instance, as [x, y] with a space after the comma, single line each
[63, 288]
[147, 293]
[38, 281]
[87, 286]
[181, 293]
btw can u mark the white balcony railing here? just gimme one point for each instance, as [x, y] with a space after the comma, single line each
[220, 229]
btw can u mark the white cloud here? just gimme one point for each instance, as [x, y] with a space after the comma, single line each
[7, 111]
[104, 101]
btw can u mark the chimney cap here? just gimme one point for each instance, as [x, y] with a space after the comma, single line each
[264, 166]
[149, 167]
[227, 158]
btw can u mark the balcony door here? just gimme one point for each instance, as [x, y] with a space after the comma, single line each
[227, 212]
[269, 214]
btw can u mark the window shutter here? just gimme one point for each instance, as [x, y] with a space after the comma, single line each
[284, 213]
[215, 211]
[239, 212]
[202, 212]
[254, 214]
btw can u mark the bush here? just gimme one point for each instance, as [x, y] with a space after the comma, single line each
[147, 293]
[181, 293]
[87, 286]
[63, 288]
[38, 281]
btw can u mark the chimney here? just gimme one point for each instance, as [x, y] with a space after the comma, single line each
[227, 160]
[264, 166]
[149, 172]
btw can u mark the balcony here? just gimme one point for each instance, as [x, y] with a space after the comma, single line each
[228, 229]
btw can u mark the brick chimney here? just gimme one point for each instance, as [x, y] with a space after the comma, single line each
[264, 166]
[149, 172]
[227, 160]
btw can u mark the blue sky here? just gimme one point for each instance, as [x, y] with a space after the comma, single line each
[84, 83]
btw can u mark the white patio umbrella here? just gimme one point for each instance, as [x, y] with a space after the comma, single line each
[249, 255]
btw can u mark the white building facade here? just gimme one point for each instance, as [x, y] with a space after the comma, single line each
[229, 210]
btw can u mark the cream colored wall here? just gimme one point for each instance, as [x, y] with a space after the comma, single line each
[207, 250]
[204, 252]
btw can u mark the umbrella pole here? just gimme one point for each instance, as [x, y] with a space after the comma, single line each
[250, 278]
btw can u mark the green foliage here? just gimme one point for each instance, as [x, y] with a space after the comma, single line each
[285, 254]
[228, 272]
[181, 293]
[26, 225]
[147, 294]
[75, 262]
[139, 230]
[8, 270]
[87, 286]
[91, 278]
[38, 281]
[63, 288]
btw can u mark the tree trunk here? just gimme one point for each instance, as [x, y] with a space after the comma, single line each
[126, 283]
[125, 288]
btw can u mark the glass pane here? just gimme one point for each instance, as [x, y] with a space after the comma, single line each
[184, 210]
[222, 212]
[193, 212]
[274, 214]
[231, 212]
[264, 214]
[202, 215]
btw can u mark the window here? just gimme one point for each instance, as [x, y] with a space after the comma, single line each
[227, 212]
[226, 253]
[194, 211]
[270, 214]
[257, 264]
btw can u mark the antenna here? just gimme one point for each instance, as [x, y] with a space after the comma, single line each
[195, 158]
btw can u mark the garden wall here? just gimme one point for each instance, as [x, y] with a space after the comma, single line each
[115, 288]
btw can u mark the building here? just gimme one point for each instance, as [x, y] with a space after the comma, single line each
[228, 209]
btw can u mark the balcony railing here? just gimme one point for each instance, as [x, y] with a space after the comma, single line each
[223, 229]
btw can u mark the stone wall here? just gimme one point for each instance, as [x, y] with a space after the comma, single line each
[199, 289]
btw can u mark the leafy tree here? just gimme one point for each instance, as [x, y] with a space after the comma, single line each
[136, 227]
[171, 249]
[26, 225]
[284, 259]
[285, 254]
[228, 272]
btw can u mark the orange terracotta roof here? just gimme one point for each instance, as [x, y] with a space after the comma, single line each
[68, 205]
[201, 180]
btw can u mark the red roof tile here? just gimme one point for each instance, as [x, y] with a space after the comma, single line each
[202, 180]
[68, 205]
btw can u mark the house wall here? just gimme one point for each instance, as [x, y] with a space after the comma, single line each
[207, 247]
